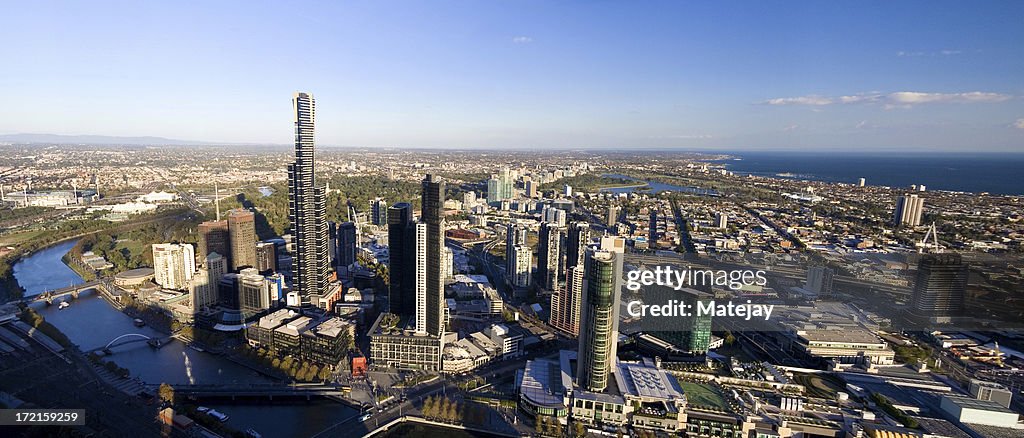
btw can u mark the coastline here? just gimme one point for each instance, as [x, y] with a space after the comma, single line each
[991, 173]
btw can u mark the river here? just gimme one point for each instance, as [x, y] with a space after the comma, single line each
[654, 187]
[92, 323]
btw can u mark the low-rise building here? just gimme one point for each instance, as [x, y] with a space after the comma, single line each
[849, 346]
[394, 345]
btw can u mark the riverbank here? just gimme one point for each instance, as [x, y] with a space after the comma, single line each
[421, 427]
[12, 289]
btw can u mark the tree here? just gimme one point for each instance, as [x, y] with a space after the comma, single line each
[325, 374]
[729, 338]
[580, 429]
[166, 393]
[428, 407]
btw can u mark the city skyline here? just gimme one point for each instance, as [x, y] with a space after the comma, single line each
[655, 76]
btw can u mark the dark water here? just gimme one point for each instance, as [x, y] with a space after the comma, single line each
[653, 187]
[291, 418]
[993, 173]
[92, 323]
[44, 270]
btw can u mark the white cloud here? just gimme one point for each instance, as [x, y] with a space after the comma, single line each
[802, 100]
[1019, 124]
[522, 40]
[913, 97]
[893, 100]
[913, 54]
[791, 128]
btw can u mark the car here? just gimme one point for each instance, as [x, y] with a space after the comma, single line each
[365, 417]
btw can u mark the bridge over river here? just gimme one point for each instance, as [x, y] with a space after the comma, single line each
[269, 390]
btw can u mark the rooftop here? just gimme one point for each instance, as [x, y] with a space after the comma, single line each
[275, 319]
[849, 336]
[542, 383]
[295, 326]
[331, 328]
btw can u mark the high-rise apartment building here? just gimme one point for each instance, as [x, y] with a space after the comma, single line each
[214, 237]
[266, 257]
[203, 286]
[432, 214]
[242, 229]
[576, 240]
[447, 263]
[346, 244]
[531, 189]
[939, 288]
[310, 267]
[909, 209]
[721, 220]
[820, 280]
[549, 256]
[553, 215]
[379, 211]
[565, 301]
[522, 257]
[402, 260]
[612, 215]
[173, 265]
[501, 186]
[515, 234]
[421, 277]
[599, 323]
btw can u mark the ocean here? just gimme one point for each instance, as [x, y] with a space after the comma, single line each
[992, 173]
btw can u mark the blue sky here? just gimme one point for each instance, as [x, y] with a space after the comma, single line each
[524, 74]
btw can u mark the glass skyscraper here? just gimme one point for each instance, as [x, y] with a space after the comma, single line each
[599, 325]
[307, 208]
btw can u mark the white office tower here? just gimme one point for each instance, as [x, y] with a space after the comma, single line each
[554, 216]
[203, 286]
[820, 280]
[173, 265]
[252, 291]
[568, 190]
[861, 182]
[421, 277]
[447, 263]
[522, 258]
[468, 200]
[908, 211]
[722, 220]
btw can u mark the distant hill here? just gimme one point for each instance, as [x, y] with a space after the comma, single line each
[93, 139]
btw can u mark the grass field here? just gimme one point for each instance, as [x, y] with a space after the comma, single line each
[19, 238]
[700, 394]
[820, 385]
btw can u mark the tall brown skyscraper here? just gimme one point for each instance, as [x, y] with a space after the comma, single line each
[214, 237]
[242, 231]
